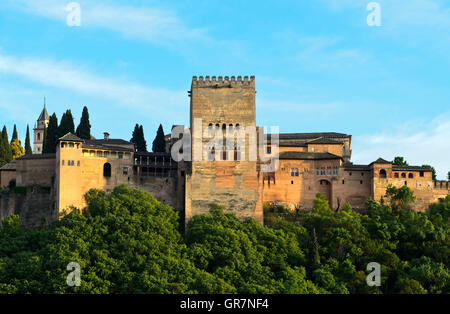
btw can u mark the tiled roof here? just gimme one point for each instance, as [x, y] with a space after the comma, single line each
[381, 161]
[324, 140]
[312, 135]
[307, 155]
[410, 168]
[38, 156]
[70, 137]
[9, 166]
[109, 144]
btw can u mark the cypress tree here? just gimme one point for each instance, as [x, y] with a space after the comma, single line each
[159, 144]
[84, 128]
[143, 142]
[15, 135]
[138, 138]
[314, 256]
[51, 135]
[6, 153]
[66, 125]
[28, 150]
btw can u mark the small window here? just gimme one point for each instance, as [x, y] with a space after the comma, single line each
[62, 162]
[292, 182]
[107, 170]
[362, 174]
[421, 173]
[361, 182]
[383, 173]
[343, 181]
[71, 145]
[78, 163]
[318, 172]
[411, 176]
[403, 175]
[125, 170]
[294, 172]
[120, 155]
[269, 150]
[350, 174]
[396, 175]
[329, 171]
[406, 182]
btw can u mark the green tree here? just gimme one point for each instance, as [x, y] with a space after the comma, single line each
[400, 197]
[28, 149]
[399, 161]
[159, 143]
[5, 148]
[51, 134]
[314, 255]
[66, 124]
[15, 135]
[448, 176]
[84, 128]
[432, 170]
[16, 148]
[138, 138]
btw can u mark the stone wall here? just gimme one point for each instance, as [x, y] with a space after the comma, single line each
[34, 205]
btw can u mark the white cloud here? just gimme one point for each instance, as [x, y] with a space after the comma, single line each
[150, 24]
[67, 76]
[428, 144]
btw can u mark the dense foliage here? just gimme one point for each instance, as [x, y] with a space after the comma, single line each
[84, 128]
[138, 138]
[159, 143]
[128, 242]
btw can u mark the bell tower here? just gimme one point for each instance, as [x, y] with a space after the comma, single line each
[39, 129]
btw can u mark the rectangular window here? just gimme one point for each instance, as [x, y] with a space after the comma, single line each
[63, 162]
[78, 163]
[294, 172]
[318, 172]
[71, 145]
[269, 150]
[421, 173]
[125, 170]
[120, 155]
[329, 171]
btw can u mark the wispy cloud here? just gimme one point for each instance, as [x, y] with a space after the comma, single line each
[151, 24]
[419, 143]
[76, 78]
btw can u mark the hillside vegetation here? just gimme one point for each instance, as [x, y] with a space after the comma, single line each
[128, 242]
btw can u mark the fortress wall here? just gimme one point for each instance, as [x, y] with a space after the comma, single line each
[353, 187]
[40, 171]
[34, 208]
[164, 189]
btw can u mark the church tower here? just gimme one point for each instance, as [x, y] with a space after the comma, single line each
[39, 128]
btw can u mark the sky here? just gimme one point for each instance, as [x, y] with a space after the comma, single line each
[319, 67]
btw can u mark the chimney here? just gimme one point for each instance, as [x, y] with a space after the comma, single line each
[106, 136]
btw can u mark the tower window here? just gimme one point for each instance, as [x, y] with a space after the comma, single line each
[294, 172]
[62, 162]
[383, 173]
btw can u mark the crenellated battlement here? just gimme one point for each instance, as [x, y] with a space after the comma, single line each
[441, 185]
[223, 81]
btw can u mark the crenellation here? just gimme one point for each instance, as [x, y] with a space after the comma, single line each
[224, 81]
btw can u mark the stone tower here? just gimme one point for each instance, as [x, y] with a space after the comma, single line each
[39, 128]
[218, 177]
[68, 172]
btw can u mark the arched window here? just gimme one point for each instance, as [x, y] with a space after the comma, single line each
[396, 175]
[383, 173]
[107, 170]
[210, 125]
[403, 175]
[411, 176]
[39, 136]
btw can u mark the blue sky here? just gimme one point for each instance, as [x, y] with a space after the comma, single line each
[318, 67]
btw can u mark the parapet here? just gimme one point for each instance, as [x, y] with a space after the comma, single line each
[221, 81]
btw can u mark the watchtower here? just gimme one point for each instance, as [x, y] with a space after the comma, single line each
[219, 105]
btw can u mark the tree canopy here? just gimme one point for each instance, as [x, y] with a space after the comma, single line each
[399, 161]
[128, 242]
[28, 149]
[51, 135]
[5, 148]
[66, 125]
[84, 128]
[138, 138]
[159, 143]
